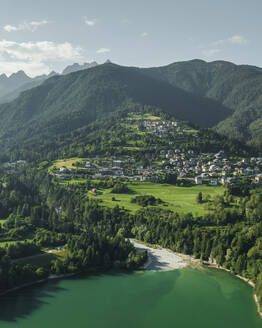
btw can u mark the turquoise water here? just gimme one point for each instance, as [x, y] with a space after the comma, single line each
[182, 298]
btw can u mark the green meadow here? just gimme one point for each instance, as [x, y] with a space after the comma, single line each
[177, 199]
[68, 162]
[43, 259]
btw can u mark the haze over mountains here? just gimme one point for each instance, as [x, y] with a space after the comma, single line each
[77, 67]
[15, 80]
[221, 95]
[12, 86]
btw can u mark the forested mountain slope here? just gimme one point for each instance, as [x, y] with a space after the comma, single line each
[217, 94]
[238, 87]
[64, 103]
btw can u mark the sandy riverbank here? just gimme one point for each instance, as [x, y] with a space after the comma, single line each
[162, 259]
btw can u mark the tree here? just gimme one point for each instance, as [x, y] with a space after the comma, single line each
[170, 178]
[41, 273]
[199, 198]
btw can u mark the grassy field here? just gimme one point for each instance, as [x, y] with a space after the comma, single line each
[42, 259]
[190, 131]
[66, 162]
[72, 181]
[177, 199]
[2, 222]
[144, 117]
[38, 260]
[133, 148]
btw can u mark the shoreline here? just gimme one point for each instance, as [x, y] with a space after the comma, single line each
[246, 280]
[50, 277]
[187, 260]
[159, 259]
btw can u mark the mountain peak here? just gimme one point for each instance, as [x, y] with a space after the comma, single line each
[78, 67]
[19, 73]
[19, 77]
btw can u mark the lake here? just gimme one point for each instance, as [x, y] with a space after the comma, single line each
[181, 298]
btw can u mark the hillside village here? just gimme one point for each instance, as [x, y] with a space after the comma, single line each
[208, 168]
[189, 166]
[212, 169]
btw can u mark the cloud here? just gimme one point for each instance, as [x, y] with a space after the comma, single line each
[103, 50]
[41, 50]
[235, 39]
[36, 57]
[11, 28]
[217, 46]
[144, 34]
[26, 26]
[238, 39]
[210, 52]
[31, 69]
[90, 22]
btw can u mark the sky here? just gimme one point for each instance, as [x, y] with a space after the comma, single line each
[39, 36]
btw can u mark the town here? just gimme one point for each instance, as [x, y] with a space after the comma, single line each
[189, 166]
[195, 168]
[211, 168]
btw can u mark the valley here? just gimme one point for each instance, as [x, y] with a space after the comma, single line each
[130, 164]
[82, 173]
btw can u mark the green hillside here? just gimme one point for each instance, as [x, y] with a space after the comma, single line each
[217, 94]
[65, 103]
[238, 87]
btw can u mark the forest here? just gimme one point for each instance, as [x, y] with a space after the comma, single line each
[63, 228]
[45, 214]
[92, 243]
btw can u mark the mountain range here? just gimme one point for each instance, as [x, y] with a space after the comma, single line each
[11, 87]
[15, 80]
[64, 103]
[237, 87]
[218, 95]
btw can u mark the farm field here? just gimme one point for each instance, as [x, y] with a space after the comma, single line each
[177, 199]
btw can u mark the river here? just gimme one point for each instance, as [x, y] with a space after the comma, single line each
[180, 298]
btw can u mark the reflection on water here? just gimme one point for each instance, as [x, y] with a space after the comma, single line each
[21, 303]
